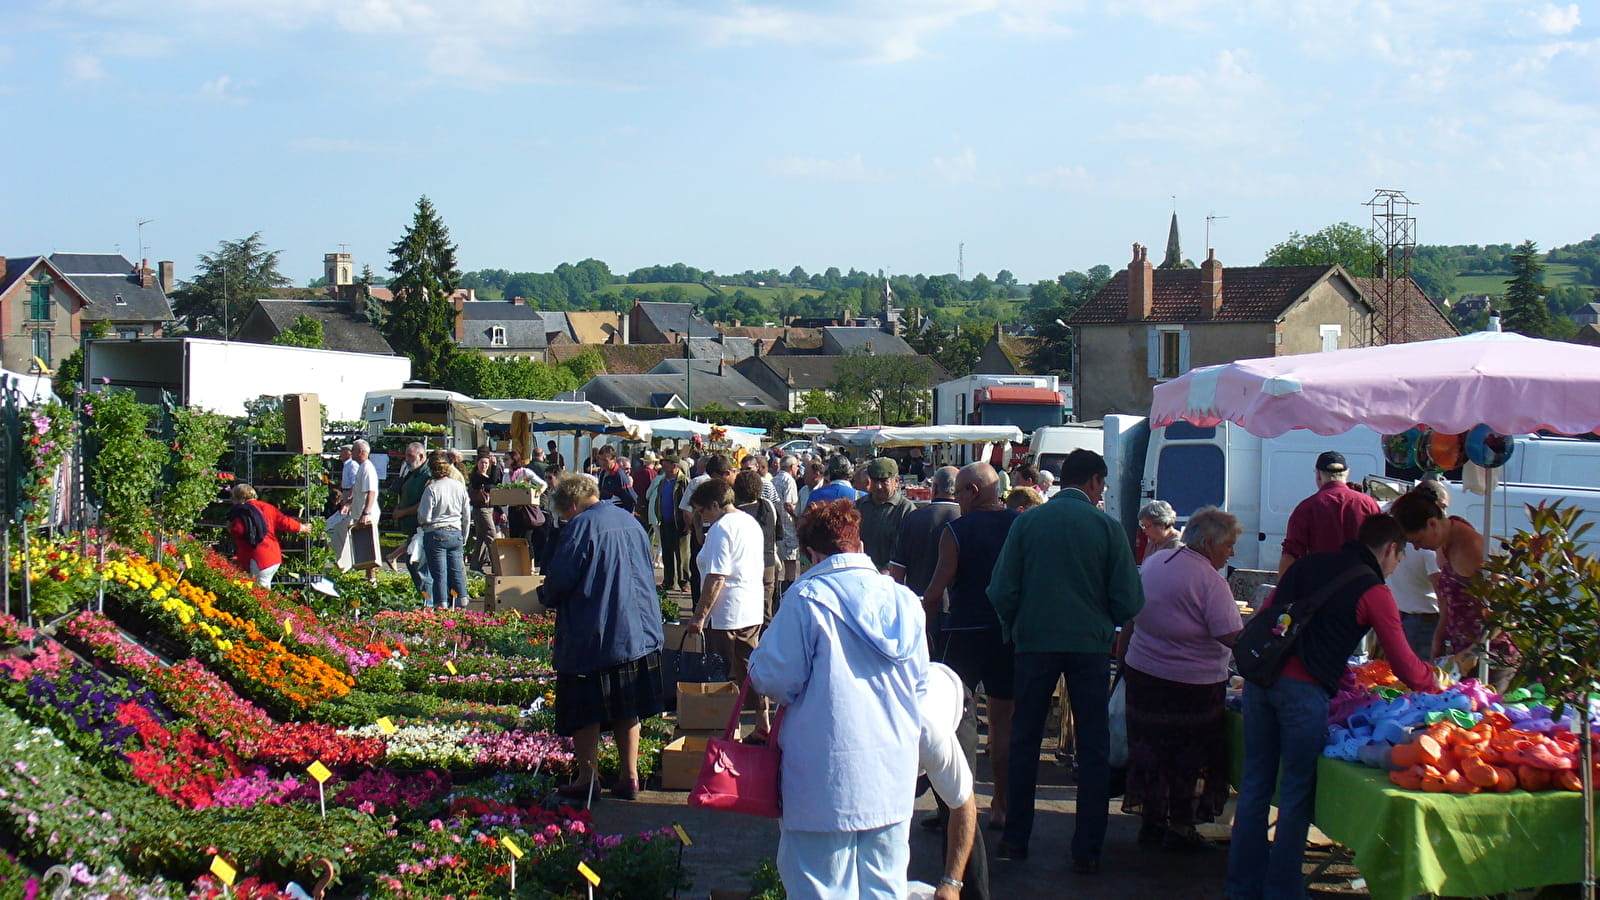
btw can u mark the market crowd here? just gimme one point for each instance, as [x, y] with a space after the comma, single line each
[876, 622]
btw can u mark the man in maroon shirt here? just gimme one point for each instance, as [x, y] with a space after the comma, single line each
[1325, 520]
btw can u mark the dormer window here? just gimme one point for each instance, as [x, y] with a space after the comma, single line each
[497, 336]
[120, 300]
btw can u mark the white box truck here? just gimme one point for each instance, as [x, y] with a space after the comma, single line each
[222, 375]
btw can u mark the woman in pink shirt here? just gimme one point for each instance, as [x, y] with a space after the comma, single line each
[1176, 669]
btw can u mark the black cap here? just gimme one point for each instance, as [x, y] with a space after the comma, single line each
[1331, 461]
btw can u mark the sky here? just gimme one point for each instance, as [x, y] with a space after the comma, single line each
[1031, 135]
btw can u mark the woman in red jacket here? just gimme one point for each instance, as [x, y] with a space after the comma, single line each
[255, 526]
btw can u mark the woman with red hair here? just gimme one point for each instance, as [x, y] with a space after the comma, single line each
[846, 656]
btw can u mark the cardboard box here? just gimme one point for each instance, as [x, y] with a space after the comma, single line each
[706, 707]
[511, 557]
[680, 763]
[514, 592]
[511, 495]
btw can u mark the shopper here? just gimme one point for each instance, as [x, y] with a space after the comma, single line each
[847, 658]
[485, 477]
[665, 493]
[1176, 678]
[1327, 519]
[883, 509]
[254, 525]
[732, 605]
[1158, 525]
[608, 636]
[443, 514]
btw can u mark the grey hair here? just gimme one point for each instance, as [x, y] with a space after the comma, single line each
[572, 490]
[360, 444]
[944, 481]
[1159, 512]
[1208, 527]
[416, 447]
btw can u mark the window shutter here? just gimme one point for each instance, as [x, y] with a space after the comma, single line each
[1152, 353]
[1183, 351]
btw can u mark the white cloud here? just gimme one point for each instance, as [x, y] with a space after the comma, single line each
[1230, 105]
[221, 90]
[961, 168]
[1553, 19]
[1070, 178]
[85, 67]
[850, 167]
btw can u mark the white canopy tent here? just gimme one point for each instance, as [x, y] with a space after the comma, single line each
[557, 415]
[679, 428]
[32, 388]
[923, 435]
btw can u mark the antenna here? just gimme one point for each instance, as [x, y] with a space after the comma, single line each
[961, 261]
[1209, 219]
[142, 224]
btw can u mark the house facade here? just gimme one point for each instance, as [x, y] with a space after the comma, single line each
[41, 314]
[133, 301]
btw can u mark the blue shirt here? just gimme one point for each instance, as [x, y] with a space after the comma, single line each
[601, 582]
[846, 655]
[835, 490]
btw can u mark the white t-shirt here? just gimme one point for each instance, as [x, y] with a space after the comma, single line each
[688, 492]
[1410, 584]
[938, 751]
[364, 486]
[734, 549]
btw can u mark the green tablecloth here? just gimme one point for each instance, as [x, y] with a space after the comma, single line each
[1411, 842]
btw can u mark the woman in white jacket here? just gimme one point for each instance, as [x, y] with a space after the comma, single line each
[442, 517]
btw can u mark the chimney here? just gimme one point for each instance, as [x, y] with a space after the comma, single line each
[168, 283]
[1210, 286]
[760, 344]
[147, 278]
[735, 323]
[869, 348]
[789, 377]
[626, 321]
[458, 300]
[722, 365]
[1141, 284]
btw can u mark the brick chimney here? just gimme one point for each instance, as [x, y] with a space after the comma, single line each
[168, 283]
[1210, 286]
[1141, 284]
[722, 365]
[626, 321]
[459, 302]
[788, 378]
[760, 345]
[147, 278]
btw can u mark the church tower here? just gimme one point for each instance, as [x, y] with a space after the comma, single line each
[1174, 258]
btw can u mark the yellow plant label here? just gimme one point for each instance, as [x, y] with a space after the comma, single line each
[224, 872]
[186, 563]
[386, 726]
[511, 847]
[319, 771]
[682, 835]
[288, 625]
[589, 874]
[450, 667]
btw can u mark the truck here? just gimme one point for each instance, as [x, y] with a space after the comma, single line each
[1261, 480]
[1029, 402]
[222, 375]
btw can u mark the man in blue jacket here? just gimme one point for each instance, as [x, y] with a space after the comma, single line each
[602, 585]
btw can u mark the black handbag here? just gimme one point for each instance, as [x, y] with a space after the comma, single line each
[1264, 644]
[698, 666]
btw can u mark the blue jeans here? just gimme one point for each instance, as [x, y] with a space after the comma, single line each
[1088, 690]
[1285, 728]
[443, 550]
[421, 578]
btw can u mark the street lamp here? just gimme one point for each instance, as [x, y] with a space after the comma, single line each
[1072, 368]
[688, 361]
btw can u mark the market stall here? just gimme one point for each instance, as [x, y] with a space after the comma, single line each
[681, 429]
[1410, 842]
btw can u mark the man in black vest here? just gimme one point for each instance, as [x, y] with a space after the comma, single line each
[1285, 725]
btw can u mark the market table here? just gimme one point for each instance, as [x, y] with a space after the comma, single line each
[1412, 842]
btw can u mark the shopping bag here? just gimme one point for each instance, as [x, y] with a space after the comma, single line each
[686, 665]
[414, 549]
[339, 540]
[364, 550]
[1118, 707]
[741, 778]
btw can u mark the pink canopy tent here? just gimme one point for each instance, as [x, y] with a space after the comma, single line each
[1513, 384]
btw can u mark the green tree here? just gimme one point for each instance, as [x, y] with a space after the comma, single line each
[305, 332]
[895, 388]
[226, 283]
[1345, 244]
[68, 379]
[1524, 308]
[836, 411]
[421, 319]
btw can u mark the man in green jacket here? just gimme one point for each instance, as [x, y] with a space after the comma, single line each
[1064, 581]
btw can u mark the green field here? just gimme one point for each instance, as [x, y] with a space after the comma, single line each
[1555, 275]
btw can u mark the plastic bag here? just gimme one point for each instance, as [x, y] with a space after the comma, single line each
[1118, 707]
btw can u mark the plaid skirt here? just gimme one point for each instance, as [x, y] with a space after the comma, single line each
[1177, 750]
[625, 691]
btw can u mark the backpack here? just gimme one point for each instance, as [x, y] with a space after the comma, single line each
[1266, 640]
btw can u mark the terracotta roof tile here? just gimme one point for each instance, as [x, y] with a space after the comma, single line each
[1425, 321]
[1249, 294]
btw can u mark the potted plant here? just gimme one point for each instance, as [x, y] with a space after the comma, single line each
[1544, 594]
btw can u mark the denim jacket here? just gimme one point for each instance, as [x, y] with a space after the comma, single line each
[601, 582]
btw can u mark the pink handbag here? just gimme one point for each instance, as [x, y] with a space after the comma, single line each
[741, 778]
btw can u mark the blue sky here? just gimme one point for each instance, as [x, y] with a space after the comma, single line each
[1046, 135]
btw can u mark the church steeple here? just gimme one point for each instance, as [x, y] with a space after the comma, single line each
[1174, 257]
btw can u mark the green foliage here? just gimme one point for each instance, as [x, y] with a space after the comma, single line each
[1544, 594]
[1344, 244]
[226, 283]
[895, 388]
[276, 843]
[834, 410]
[766, 883]
[421, 319]
[957, 349]
[475, 374]
[1525, 311]
[584, 366]
[199, 438]
[1058, 300]
[125, 465]
[68, 379]
[305, 332]
[48, 434]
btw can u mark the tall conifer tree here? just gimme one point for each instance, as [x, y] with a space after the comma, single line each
[1525, 311]
[421, 318]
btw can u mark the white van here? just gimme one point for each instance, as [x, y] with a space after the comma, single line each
[1051, 444]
